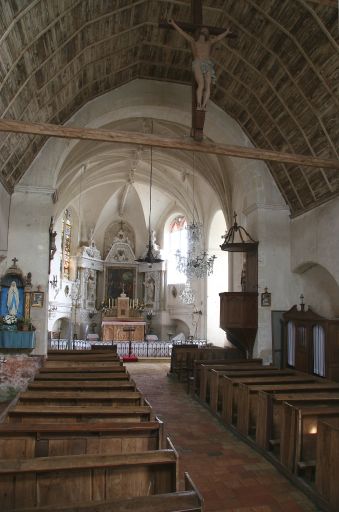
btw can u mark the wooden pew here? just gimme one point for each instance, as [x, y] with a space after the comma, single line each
[205, 369]
[114, 366]
[123, 384]
[194, 386]
[188, 500]
[248, 398]
[72, 480]
[18, 441]
[83, 365]
[209, 355]
[121, 373]
[267, 432]
[183, 357]
[230, 389]
[82, 353]
[299, 433]
[178, 356]
[78, 414]
[105, 398]
[215, 379]
[88, 357]
[327, 464]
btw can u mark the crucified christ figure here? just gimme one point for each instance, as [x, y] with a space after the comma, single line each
[202, 65]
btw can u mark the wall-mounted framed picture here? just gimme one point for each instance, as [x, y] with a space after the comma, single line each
[37, 299]
[119, 280]
[265, 298]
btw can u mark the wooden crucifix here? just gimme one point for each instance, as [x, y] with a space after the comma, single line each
[203, 71]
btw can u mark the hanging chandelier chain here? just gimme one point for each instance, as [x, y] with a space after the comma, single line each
[150, 193]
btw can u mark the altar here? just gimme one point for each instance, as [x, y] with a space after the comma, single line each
[116, 329]
[17, 339]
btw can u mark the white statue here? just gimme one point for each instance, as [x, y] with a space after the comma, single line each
[13, 299]
[150, 288]
[91, 285]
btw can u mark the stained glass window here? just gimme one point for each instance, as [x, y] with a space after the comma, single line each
[66, 243]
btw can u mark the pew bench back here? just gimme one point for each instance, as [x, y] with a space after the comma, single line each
[85, 478]
[18, 441]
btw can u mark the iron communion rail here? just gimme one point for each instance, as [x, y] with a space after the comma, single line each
[139, 348]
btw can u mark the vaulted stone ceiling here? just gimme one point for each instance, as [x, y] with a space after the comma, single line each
[279, 78]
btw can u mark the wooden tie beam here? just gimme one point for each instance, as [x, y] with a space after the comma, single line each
[68, 132]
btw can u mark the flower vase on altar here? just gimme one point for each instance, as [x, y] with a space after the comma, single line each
[9, 323]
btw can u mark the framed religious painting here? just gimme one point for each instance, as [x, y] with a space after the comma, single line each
[37, 299]
[265, 298]
[120, 280]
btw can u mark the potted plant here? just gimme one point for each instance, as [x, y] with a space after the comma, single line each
[27, 324]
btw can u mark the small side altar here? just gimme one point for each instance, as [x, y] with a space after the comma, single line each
[17, 339]
[113, 329]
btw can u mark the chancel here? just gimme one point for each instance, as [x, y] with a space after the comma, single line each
[163, 166]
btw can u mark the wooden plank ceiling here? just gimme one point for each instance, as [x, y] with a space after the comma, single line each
[279, 79]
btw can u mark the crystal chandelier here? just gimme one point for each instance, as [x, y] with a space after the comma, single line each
[197, 263]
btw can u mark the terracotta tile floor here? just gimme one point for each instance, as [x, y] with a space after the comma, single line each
[229, 474]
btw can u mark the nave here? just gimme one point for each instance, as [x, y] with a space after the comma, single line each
[230, 475]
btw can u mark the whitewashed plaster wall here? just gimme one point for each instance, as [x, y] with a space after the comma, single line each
[314, 257]
[5, 201]
[31, 210]
[239, 184]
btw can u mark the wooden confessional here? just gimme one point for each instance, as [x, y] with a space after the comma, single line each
[311, 343]
[239, 310]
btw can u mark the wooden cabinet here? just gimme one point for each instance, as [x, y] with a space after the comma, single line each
[311, 343]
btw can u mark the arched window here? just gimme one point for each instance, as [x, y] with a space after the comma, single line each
[66, 244]
[175, 240]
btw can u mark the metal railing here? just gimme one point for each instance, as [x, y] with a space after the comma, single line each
[138, 348]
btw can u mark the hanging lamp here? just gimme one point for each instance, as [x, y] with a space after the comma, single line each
[150, 256]
[237, 239]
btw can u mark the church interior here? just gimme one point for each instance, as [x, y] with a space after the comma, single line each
[136, 223]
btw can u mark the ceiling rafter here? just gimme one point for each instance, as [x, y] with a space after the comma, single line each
[304, 54]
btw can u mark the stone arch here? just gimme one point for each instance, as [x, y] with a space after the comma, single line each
[319, 287]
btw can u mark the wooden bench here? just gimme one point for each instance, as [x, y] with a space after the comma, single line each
[123, 384]
[183, 356]
[105, 398]
[215, 380]
[82, 353]
[327, 462]
[299, 432]
[18, 441]
[267, 432]
[230, 386]
[248, 398]
[113, 375]
[188, 500]
[209, 355]
[75, 414]
[113, 366]
[205, 370]
[88, 357]
[70, 480]
[194, 384]
[83, 365]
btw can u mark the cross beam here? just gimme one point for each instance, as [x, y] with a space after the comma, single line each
[135, 138]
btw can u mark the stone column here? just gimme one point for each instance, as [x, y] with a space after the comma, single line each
[30, 215]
